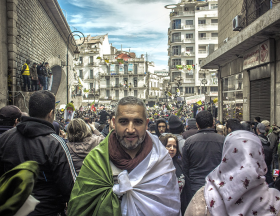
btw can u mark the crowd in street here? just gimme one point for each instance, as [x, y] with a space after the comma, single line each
[36, 76]
[132, 161]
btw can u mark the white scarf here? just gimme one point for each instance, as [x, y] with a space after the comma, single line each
[237, 186]
[151, 188]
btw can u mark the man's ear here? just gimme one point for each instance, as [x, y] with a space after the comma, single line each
[16, 122]
[197, 125]
[114, 121]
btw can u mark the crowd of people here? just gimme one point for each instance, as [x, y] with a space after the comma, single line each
[131, 160]
[36, 76]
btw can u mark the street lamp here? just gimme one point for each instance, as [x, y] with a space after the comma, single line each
[76, 53]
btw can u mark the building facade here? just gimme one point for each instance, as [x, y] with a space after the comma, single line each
[35, 30]
[106, 74]
[248, 60]
[192, 36]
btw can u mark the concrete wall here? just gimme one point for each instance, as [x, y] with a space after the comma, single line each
[3, 55]
[228, 9]
[276, 88]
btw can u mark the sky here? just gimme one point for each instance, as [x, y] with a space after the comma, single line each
[138, 25]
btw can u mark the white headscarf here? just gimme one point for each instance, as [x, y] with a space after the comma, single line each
[237, 186]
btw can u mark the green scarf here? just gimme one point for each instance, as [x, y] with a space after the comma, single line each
[16, 185]
[93, 190]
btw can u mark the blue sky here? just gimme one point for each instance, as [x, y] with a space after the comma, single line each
[140, 25]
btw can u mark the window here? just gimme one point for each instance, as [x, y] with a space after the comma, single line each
[189, 35]
[188, 76]
[214, 6]
[91, 85]
[201, 75]
[108, 93]
[202, 48]
[214, 20]
[107, 82]
[135, 93]
[81, 59]
[174, 75]
[116, 82]
[117, 67]
[202, 22]
[176, 37]
[81, 74]
[125, 81]
[176, 24]
[117, 94]
[214, 89]
[214, 35]
[189, 62]
[91, 59]
[202, 35]
[135, 82]
[125, 93]
[189, 22]
[176, 50]
[176, 62]
[91, 74]
[189, 49]
[125, 69]
[135, 69]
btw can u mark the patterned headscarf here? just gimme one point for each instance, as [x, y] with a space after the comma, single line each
[237, 186]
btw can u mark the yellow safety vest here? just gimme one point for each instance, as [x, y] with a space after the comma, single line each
[26, 71]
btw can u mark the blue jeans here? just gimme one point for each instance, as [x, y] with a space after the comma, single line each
[26, 81]
[42, 80]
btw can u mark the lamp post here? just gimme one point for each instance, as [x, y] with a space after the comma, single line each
[179, 80]
[76, 54]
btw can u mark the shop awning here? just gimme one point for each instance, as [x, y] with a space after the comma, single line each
[265, 27]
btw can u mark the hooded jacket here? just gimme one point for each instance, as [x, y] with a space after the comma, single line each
[266, 148]
[35, 139]
[161, 120]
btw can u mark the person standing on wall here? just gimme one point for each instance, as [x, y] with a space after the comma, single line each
[25, 75]
[50, 77]
[40, 73]
[34, 77]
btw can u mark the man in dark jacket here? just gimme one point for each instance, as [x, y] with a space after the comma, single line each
[9, 117]
[110, 126]
[202, 153]
[103, 116]
[161, 126]
[267, 151]
[34, 139]
[191, 130]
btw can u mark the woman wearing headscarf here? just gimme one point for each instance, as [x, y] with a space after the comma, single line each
[237, 186]
[171, 143]
[81, 141]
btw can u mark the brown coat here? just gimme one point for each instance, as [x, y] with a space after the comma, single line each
[33, 73]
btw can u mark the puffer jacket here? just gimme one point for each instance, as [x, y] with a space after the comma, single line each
[34, 139]
[79, 150]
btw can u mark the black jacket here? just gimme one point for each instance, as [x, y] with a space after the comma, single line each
[103, 117]
[189, 132]
[35, 140]
[202, 153]
[4, 128]
[267, 150]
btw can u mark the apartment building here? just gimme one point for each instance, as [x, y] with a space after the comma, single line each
[192, 36]
[248, 60]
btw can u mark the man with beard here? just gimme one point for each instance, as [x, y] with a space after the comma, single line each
[128, 173]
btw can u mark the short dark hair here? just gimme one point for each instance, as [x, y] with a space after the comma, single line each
[204, 119]
[152, 127]
[234, 125]
[41, 103]
[258, 119]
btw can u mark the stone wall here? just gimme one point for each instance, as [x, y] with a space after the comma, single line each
[227, 9]
[3, 55]
[35, 33]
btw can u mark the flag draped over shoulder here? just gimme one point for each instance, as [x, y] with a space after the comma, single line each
[92, 194]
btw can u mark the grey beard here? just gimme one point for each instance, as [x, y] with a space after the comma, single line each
[129, 145]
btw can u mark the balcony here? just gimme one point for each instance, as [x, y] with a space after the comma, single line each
[188, 54]
[212, 26]
[188, 27]
[182, 13]
[93, 64]
[188, 40]
[80, 64]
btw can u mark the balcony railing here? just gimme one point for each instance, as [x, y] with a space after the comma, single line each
[182, 13]
[202, 52]
[188, 27]
[188, 54]
[188, 40]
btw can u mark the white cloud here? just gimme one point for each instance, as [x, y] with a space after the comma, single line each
[141, 25]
